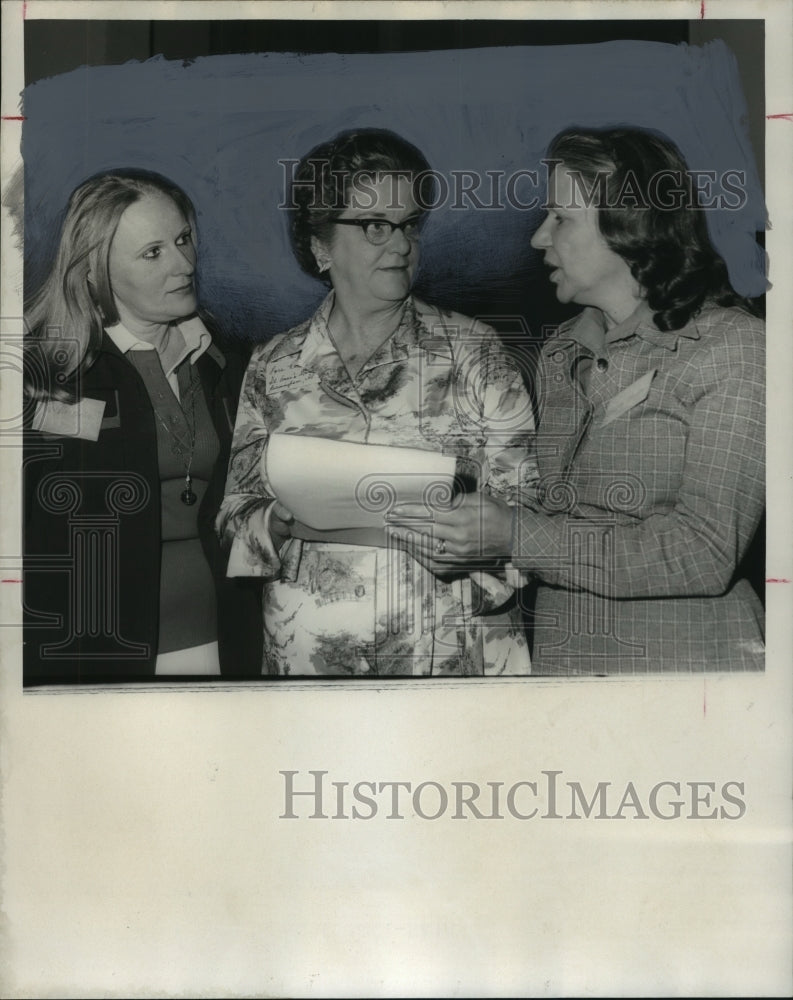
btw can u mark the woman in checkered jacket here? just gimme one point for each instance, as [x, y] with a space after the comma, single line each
[651, 435]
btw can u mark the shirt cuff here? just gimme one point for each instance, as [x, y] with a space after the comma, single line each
[489, 593]
[537, 544]
[252, 553]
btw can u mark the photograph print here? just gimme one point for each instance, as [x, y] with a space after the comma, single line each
[392, 350]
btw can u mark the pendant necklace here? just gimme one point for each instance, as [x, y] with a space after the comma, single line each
[185, 449]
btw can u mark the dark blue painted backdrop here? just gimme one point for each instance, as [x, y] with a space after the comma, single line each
[219, 125]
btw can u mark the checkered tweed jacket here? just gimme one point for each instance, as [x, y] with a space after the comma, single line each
[652, 486]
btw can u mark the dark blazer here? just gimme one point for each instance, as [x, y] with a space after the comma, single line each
[92, 536]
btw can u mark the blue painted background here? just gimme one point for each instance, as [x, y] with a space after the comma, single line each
[218, 125]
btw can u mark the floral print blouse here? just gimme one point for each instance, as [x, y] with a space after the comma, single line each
[442, 382]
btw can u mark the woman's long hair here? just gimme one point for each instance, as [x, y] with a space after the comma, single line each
[66, 317]
[649, 214]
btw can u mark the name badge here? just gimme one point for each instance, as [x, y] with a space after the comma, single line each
[634, 394]
[285, 375]
[77, 420]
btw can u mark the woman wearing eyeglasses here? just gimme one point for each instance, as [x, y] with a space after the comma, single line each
[374, 365]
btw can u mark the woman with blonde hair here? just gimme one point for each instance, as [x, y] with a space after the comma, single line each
[129, 407]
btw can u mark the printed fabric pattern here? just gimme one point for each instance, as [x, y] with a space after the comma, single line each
[442, 382]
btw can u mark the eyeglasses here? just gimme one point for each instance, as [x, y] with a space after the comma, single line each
[380, 231]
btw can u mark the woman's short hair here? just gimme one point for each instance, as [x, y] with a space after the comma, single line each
[649, 214]
[323, 180]
[65, 319]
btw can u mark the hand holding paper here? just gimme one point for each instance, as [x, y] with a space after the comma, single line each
[478, 527]
[281, 521]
